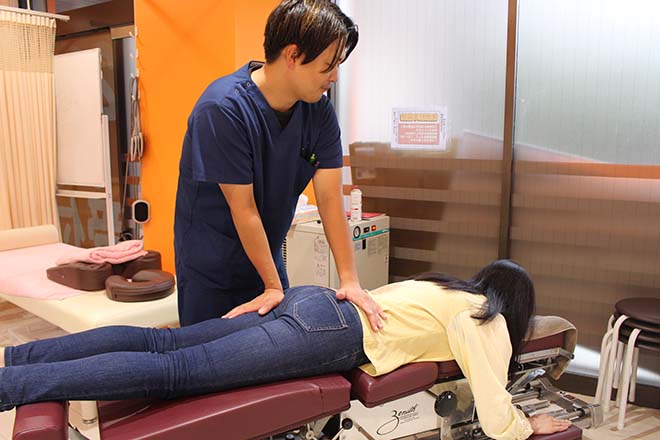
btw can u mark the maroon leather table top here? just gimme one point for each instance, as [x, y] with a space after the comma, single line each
[411, 378]
[51, 419]
[247, 413]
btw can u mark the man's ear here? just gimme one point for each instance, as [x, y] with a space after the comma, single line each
[291, 55]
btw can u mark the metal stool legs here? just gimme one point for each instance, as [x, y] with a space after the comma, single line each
[618, 368]
[626, 377]
[611, 365]
[604, 360]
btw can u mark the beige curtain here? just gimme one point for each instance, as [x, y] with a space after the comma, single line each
[27, 121]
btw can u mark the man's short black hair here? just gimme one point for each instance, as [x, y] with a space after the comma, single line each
[312, 25]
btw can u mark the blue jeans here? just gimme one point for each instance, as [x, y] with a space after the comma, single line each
[309, 333]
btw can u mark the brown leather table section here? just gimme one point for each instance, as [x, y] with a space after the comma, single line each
[42, 421]
[246, 413]
[409, 379]
[552, 341]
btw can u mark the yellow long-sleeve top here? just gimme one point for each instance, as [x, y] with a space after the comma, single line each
[427, 322]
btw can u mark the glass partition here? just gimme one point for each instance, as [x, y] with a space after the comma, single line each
[444, 205]
[586, 194]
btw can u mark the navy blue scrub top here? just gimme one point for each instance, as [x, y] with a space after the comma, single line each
[235, 137]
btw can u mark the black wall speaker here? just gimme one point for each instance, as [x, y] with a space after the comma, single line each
[141, 211]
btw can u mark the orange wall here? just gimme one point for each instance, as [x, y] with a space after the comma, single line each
[182, 47]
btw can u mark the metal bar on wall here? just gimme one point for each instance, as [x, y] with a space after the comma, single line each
[33, 12]
[509, 119]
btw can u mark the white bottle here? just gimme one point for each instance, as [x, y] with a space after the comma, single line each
[356, 204]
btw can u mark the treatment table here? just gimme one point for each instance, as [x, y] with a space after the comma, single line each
[76, 313]
[431, 398]
[84, 311]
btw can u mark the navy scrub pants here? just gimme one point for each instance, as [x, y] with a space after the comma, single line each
[197, 302]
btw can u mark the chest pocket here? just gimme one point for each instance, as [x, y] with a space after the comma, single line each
[305, 173]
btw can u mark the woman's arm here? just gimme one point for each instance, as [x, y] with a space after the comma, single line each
[483, 352]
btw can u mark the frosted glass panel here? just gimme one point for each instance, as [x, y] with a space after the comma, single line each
[589, 78]
[586, 193]
[443, 205]
[424, 52]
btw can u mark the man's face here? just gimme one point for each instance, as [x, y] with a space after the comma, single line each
[314, 79]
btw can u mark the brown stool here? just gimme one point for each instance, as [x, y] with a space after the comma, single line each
[646, 310]
[634, 325]
[630, 322]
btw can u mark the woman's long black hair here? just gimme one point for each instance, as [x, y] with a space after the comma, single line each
[508, 290]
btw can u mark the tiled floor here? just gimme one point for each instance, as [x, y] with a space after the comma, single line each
[17, 326]
[641, 423]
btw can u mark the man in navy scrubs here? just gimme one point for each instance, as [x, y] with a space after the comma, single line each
[255, 139]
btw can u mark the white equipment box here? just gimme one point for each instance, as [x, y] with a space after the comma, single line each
[309, 260]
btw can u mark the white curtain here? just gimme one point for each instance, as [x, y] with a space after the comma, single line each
[27, 121]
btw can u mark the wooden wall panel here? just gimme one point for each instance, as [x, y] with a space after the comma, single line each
[589, 232]
[444, 209]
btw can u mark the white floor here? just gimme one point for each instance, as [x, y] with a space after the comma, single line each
[6, 423]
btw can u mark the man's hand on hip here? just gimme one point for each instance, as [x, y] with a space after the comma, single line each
[262, 304]
[361, 298]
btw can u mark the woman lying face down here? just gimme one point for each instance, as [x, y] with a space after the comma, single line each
[480, 322]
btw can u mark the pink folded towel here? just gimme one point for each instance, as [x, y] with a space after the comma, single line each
[115, 254]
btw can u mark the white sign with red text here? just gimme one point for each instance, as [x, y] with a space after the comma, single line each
[419, 128]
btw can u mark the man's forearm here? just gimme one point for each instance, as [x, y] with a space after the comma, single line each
[255, 243]
[334, 225]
